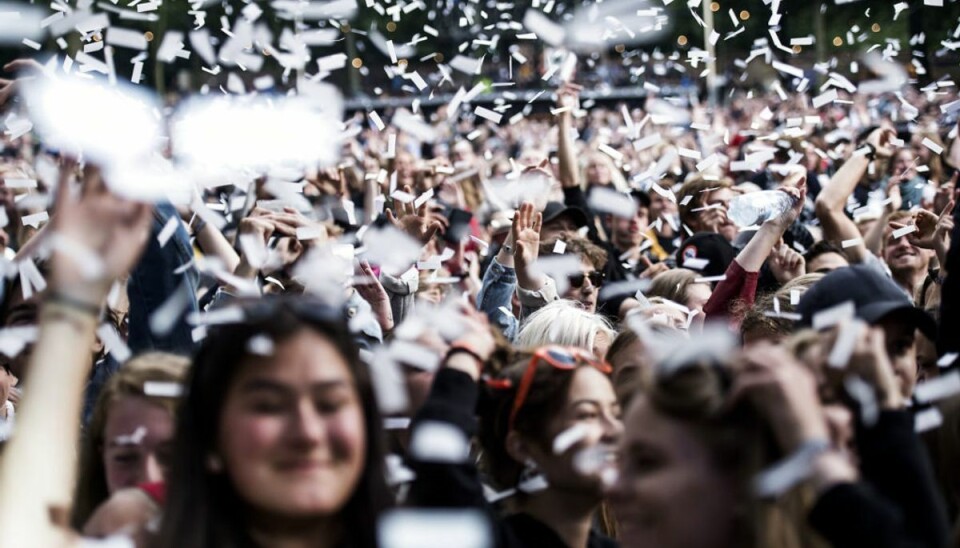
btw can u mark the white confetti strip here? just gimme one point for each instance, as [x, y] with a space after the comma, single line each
[934, 147]
[377, 121]
[488, 114]
[938, 388]
[901, 232]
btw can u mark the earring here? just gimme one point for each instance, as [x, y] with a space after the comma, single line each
[214, 464]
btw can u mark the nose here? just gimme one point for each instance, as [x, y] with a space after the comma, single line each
[612, 429]
[152, 471]
[307, 427]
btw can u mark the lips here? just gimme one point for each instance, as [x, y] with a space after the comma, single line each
[305, 465]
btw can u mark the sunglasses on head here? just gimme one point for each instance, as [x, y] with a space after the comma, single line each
[559, 357]
[595, 277]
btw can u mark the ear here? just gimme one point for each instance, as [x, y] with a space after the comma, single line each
[516, 447]
[98, 346]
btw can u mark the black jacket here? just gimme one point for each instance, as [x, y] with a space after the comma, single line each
[896, 504]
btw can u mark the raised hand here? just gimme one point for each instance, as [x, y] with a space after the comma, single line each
[882, 141]
[9, 88]
[416, 222]
[786, 264]
[796, 186]
[370, 289]
[98, 227]
[784, 392]
[893, 194]
[651, 270]
[526, 237]
[947, 191]
[568, 95]
[475, 336]
[932, 230]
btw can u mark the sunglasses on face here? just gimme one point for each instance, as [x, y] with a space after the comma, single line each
[565, 358]
[595, 277]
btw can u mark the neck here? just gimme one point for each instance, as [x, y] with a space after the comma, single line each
[570, 515]
[280, 532]
[628, 251]
[909, 279]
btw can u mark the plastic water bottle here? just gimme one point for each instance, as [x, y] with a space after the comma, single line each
[755, 208]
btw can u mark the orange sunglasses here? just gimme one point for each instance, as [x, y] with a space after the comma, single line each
[560, 357]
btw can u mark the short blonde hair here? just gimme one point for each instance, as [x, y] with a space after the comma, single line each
[565, 323]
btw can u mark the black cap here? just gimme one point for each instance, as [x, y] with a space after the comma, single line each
[555, 210]
[874, 295]
[711, 247]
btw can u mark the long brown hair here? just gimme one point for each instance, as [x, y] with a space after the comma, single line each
[740, 444]
[203, 508]
[91, 489]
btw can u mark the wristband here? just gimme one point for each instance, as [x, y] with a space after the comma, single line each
[197, 223]
[461, 348]
[79, 305]
[872, 153]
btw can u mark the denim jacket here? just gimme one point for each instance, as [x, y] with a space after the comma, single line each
[499, 283]
[152, 281]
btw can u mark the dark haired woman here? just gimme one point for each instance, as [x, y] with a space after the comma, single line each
[278, 441]
[548, 433]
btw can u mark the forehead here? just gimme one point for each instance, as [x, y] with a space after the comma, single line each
[720, 194]
[590, 384]
[645, 424]
[131, 412]
[306, 357]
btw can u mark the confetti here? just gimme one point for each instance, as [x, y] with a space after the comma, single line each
[161, 389]
[901, 232]
[938, 388]
[434, 528]
[488, 114]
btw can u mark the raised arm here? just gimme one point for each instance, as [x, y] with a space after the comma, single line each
[567, 98]
[741, 276]
[832, 199]
[37, 471]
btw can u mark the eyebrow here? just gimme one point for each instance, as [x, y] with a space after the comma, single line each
[597, 403]
[266, 385]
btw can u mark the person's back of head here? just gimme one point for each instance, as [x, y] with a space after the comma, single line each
[144, 384]
[568, 324]
[247, 386]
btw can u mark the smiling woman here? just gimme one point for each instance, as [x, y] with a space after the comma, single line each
[279, 432]
[129, 434]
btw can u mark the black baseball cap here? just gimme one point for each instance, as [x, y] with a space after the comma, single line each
[710, 246]
[555, 210]
[874, 295]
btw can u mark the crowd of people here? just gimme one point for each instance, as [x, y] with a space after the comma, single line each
[650, 325]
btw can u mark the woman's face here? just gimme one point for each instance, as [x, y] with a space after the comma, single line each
[292, 436]
[597, 172]
[669, 494]
[697, 296]
[592, 405]
[136, 442]
[628, 368]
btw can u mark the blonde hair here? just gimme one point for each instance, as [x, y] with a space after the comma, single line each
[128, 381]
[617, 180]
[672, 285]
[565, 323]
[739, 443]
